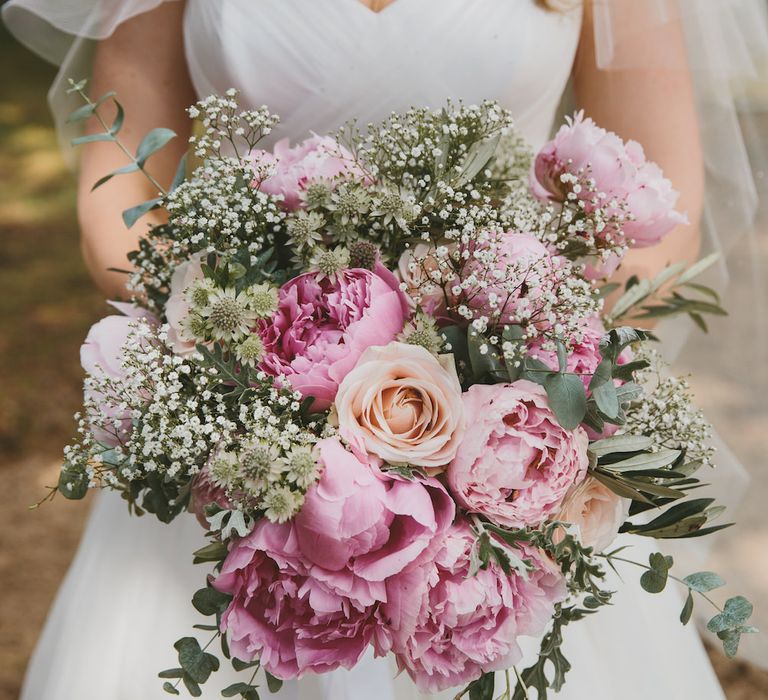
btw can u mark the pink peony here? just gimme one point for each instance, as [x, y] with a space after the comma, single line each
[101, 356]
[205, 492]
[177, 306]
[516, 463]
[506, 275]
[451, 627]
[361, 526]
[414, 269]
[290, 170]
[321, 328]
[597, 512]
[284, 613]
[619, 170]
[404, 405]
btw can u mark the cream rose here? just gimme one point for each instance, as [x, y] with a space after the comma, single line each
[596, 510]
[403, 405]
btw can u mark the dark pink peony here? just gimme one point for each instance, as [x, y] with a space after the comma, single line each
[321, 328]
[516, 463]
[619, 170]
[447, 628]
[306, 593]
[290, 170]
[283, 613]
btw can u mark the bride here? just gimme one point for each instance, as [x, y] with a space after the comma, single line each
[318, 63]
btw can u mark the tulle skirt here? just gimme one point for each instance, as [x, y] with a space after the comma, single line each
[126, 599]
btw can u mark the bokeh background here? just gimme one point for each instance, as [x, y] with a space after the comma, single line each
[47, 304]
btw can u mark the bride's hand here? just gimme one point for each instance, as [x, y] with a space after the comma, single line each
[655, 106]
[143, 61]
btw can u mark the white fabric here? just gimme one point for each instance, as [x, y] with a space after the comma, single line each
[318, 63]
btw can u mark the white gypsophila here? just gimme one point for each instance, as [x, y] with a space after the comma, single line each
[667, 412]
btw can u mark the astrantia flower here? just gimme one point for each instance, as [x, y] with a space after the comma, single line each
[224, 469]
[250, 351]
[262, 299]
[329, 263]
[281, 503]
[422, 330]
[301, 466]
[260, 463]
[229, 314]
[516, 463]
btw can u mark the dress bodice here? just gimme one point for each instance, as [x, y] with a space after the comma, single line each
[319, 63]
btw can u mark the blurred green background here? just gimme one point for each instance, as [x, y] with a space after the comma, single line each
[47, 304]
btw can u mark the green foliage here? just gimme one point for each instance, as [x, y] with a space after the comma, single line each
[654, 580]
[482, 688]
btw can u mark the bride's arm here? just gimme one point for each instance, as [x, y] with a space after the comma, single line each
[655, 107]
[143, 61]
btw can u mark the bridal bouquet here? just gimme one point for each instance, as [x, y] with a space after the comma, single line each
[378, 369]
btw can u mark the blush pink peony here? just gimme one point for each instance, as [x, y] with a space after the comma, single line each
[515, 464]
[505, 276]
[321, 328]
[597, 512]
[403, 405]
[447, 628]
[101, 356]
[361, 526]
[281, 612]
[414, 270]
[619, 170]
[288, 171]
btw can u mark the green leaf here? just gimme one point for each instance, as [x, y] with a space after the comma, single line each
[737, 611]
[81, 113]
[485, 365]
[677, 513]
[685, 613]
[73, 483]
[567, 399]
[606, 398]
[130, 168]
[215, 551]
[647, 460]
[117, 123]
[535, 370]
[91, 138]
[655, 579]
[621, 443]
[274, 684]
[168, 688]
[697, 268]
[483, 687]
[627, 371]
[704, 581]
[477, 158]
[240, 665]
[192, 686]
[197, 664]
[181, 173]
[730, 639]
[171, 673]
[153, 142]
[235, 689]
[132, 215]
[562, 356]
[209, 601]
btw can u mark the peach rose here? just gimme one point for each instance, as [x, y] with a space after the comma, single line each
[596, 510]
[403, 405]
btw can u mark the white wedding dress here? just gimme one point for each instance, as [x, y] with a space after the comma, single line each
[318, 63]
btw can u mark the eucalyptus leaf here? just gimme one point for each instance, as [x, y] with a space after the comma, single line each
[91, 138]
[567, 399]
[235, 689]
[685, 613]
[704, 581]
[168, 688]
[153, 142]
[621, 443]
[209, 601]
[273, 683]
[132, 215]
[737, 611]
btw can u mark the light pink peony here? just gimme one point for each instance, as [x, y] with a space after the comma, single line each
[290, 170]
[361, 526]
[403, 405]
[285, 614]
[177, 306]
[205, 492]
[508, 273]
[321, 328]
[516, 463]
[101, 356]
[596, 510]
[620, 171]
[448, 628]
